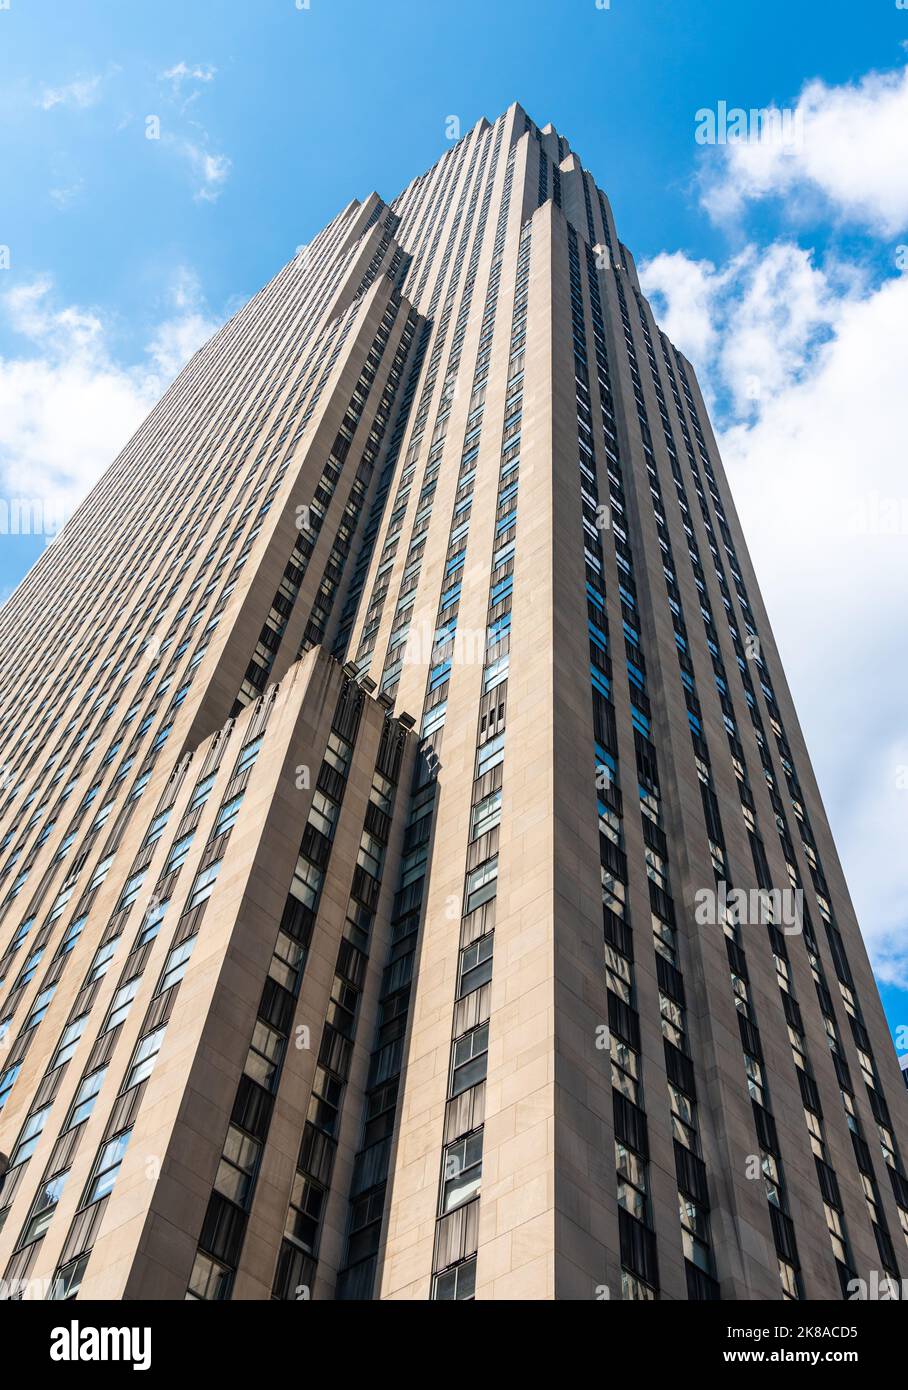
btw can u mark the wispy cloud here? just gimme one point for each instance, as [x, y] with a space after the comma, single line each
[183, 83]
[182, 72]
[187, 81]
[66, 193]
[82, 91]
[212, 170]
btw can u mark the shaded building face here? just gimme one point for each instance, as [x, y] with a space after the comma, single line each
[413, 882]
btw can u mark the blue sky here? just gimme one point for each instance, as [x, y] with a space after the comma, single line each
[779, 271]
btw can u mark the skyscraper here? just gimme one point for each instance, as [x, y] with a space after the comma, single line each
[413, 882]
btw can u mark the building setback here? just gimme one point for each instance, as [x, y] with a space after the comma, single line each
[413, 881]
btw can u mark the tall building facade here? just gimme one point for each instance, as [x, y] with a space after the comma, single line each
[413, 882]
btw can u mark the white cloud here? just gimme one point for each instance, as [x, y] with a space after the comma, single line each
[66, 193]
[187, 82]
[683, 294]
[853, 155]
[67, 405]
[83, 91]
[211, 170]
[177, 337]
[182, 72]
[817, 471]
[758, 321]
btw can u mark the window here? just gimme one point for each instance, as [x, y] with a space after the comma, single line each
[307, 882]
[160, 737]
[655, 867]
[247, 756]
[65, 844]
[156, 829]
[286, 961]
[107, 1166]
[131, 891]
[631, 1171]
[439, 674]
[456, 1284]
[102, 815]
[789, 1278]
[178, 853]
[836, 1232]
[771, 1179]
[434, 720]
[475, 965]
[634, 1289]
[754, 1077]
[29, 968]
[43, 1208]
[21, 932]
[68, 1280]
[469, 1061]
[682, 1118]
[7, 1081]
[175, 967]
[237, 1167]
[200, 795]
[490, 755]
[382, 793]
[227, 815]
[323, 814]
[102, 958]
[203, 886]
[485, 815]
[31, 1133]
[119, 1007]
[305, 1211]
[146, 1054]
[100, 872]
[71, 935]
[69, 1041]
[694, 1234]
[371, 854]
[39, 1008]
[337, 754]
[84, 1100]
[152, 923]
[672, 1021]
[209, 1280]
[481, 885]
[61, 901]
[462, 1172]
[141, 782]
